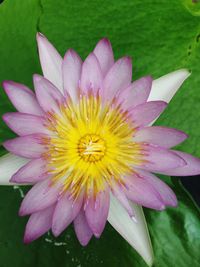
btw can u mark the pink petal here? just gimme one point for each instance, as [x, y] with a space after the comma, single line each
[49, 97]
[38, 224]
[192, 166]
[91, 75]
[103, 52]
[157, 159]
[167, 195]
[71, 73]
[118, 78]
[96, 212]
[144, 114]
[41, 196]
[34, 171]
[51, 61]
[22, 98]
[29, 146]
[66, 210]
[161, 136]
[25, 124]
[142, 193]
[135, 94]
[118, 192]
[82, 229]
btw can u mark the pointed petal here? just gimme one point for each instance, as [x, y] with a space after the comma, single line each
[34, 171]
[143, 193]
[165, 87]
[118, 192]
[103, 52]
[91, 75]
[118, 78]
[137, 93]
[50, 60]
[135, 233]
[82, 229]
[49, 97]
[96, 212]
[9, 164]
[22, 98]
[167, 195]
[161, 136]
[29, 146]
[144, 114]
[192, 166]
[66, 210]
[25, 124]
[157, 159]
[71, 73]
[38, 224]
[41, 196]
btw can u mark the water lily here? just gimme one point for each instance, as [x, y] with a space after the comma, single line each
[87, 145]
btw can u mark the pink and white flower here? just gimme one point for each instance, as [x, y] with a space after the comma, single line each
[87, 145]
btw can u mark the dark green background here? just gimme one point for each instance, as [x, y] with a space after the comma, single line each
[161, 36]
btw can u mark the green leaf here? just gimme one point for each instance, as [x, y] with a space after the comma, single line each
[161, 36]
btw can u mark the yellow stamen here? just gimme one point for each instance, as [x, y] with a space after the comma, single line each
[91, 145]
[91, 148]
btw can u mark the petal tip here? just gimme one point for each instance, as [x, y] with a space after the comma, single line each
[6, 84]
[127, 59]
[97, 234]
[56, 232]
[91, 55]
[39, 36]
[37, 77]
[13, 179]
[174, 204]
[70, 52]
[105, 41]
[28, 237]
[7, 144]
[162, 207]
[184, 135]
[27, 240]
[186, 72]
[84, 242]
[150, 262]
[5, 117]
[22, 212]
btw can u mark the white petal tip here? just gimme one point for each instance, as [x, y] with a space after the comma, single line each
[165, 87]
[136, 234]
[182, 74]
[148, 258]
[9, 164]
[150, 261]
[39, 35]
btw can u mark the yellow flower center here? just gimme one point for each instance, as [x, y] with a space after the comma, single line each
[91, 145]
[91, 148]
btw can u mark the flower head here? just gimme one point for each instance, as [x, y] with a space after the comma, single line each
[87, 138]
